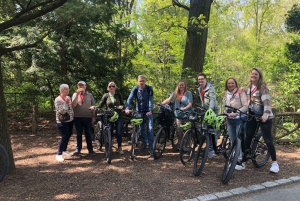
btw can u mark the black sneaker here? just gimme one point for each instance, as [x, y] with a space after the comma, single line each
[76, 153]
[92, 153]
[150, 152]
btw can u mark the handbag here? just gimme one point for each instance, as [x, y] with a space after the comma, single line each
[64, 117]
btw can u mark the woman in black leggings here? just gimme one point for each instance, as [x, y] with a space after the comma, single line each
[259, 103]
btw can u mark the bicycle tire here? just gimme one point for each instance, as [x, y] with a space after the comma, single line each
[201, 155]
[134, 139]
[160, 142]
[260, 151]
[108, 144]
[231, 161]
[4, 162]
[225, 145]
[187, 147]
[98, 135]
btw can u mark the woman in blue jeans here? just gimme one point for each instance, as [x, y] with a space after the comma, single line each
[111, 100]
[63, 106]
[236, 100]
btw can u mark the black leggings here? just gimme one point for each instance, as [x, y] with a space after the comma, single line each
[266, 128]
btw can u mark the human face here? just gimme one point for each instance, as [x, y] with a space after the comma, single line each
[254, 77]
[201, 81]
[65, 92]
[181, 86]
[112, 87]
[82, 87]
[231, 85]
[142, 82]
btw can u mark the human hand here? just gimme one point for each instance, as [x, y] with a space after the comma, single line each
[127, 111]
[264, 118]
[148, 113]
[79, 91]
[92, 108]
[120, 107]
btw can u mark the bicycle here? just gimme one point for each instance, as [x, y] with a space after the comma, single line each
[136, 121]
[4, 162]
[209, 136]
[102, 131]
[166, 132]
[258, 152]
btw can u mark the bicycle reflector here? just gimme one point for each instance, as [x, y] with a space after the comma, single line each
[219, 122]
[209, 117]
[114, 117]
[186, 126]
[136, 121]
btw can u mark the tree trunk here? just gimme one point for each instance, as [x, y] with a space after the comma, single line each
[4, 135]
[196, 37]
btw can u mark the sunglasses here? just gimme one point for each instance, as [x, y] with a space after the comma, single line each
[111, 86]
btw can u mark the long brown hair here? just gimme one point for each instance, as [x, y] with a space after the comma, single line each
[260, 84]
[177, 92]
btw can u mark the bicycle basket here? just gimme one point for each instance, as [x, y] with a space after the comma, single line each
[193, 117]
[165, 117]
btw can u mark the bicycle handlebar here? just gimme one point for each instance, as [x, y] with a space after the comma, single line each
[249, 116]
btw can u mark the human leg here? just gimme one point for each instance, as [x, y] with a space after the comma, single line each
[79, 130]
[150, 133]
[87, 124]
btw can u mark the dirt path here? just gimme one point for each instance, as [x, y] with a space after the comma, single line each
[40, 177]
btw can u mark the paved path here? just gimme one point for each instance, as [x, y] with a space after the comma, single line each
[282, 189]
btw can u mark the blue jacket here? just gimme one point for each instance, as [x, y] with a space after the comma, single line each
[144, 100]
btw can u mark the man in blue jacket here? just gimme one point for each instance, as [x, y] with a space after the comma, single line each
[144, 103]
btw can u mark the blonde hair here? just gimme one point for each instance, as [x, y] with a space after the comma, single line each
[110, 83]
[177, 92]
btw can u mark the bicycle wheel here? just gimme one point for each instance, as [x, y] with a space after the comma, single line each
[134, 140]
[4, 162]
[231, 161]
[98, 136]
[201, 155]
[187, 147]
[224, 146]
[160, 142]
[108, 144]
[260, 151]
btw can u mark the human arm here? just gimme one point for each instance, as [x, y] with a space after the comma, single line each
[189, 97]
[212, 97]
[265, 98]
[129, 100]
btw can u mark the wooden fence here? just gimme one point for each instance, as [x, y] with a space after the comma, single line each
[34, 121]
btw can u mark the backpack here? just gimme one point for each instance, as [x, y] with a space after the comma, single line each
[165, 117]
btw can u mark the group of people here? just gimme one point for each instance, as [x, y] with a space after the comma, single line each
[255, 96]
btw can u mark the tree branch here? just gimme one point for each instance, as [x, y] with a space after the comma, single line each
[175, 2]
[27, 9]
[33, 15]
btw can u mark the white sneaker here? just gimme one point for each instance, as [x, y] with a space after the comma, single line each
[242, 166]
[274, 168]
[59, 158]
[66, 153]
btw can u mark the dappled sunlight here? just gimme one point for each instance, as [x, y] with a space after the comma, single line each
[65, 196]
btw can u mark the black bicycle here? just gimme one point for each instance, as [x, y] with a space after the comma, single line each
[4, 162]
[210, 136]
[166, 132]
[258, 152]
[102, 132]
[191, 137]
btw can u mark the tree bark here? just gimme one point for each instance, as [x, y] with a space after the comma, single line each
[196, 37]
[4, 135]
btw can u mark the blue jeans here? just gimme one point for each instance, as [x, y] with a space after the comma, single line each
[86, 124]
[148, 120]
[119, 124]
[65, 130]
[233, 126]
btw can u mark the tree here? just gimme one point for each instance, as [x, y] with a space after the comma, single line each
[16, 14]
[197, 31]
